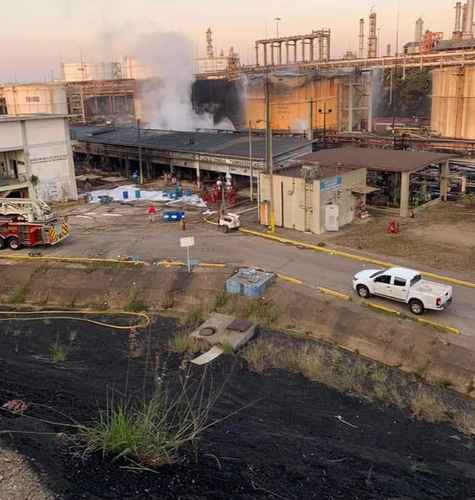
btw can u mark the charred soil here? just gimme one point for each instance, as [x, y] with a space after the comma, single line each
[291, 438]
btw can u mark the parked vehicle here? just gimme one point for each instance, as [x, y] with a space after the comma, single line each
[403, 285]
[229, 222]
[29, 223]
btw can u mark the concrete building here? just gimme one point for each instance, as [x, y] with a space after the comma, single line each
[405, 180]
[312, 197]
[30, 98]
[36, 158]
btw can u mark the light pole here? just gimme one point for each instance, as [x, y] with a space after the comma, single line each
[140, 152]
[251, 185]
[324, 111]
[277, 21]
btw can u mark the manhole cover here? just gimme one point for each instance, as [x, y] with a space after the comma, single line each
[240, 325]
[207, 331]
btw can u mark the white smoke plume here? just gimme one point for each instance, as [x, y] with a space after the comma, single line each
[166, 101]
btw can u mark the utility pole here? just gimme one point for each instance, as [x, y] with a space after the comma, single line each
[269, 163]
[140, 151]
[393, 94]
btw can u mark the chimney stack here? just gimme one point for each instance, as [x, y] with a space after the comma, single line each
[468, 10]
[373, 37]
[458, 19]
[361, 40]
[419, 30]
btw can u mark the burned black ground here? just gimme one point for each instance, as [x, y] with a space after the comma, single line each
[297, 439]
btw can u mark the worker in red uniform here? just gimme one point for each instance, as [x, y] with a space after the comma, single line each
[152, 212]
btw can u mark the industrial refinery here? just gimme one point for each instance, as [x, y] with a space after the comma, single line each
[237, 250]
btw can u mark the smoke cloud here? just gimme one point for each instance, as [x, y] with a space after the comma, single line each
[166, 99]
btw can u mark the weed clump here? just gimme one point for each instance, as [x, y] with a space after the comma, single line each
[149, 434]
[183, 343]
[194, 317]
[59, 352]
[221, 300]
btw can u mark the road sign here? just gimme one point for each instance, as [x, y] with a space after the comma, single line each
[187, 242]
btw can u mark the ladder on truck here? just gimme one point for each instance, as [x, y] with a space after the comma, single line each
[29, 210]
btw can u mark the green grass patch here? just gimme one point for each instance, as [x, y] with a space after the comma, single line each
[18, 296]
[136, 306]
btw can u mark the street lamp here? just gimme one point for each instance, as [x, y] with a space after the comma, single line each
[277, 21]
[324, 111]
[250, 157]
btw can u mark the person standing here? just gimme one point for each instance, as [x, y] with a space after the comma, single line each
[152, 212]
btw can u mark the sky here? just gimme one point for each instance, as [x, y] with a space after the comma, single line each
[37, 35]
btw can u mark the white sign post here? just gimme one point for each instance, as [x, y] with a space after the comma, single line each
[188, 243]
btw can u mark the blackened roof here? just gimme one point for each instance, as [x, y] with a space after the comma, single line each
[233, 144]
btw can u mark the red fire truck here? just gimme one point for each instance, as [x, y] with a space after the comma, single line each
[29, 223]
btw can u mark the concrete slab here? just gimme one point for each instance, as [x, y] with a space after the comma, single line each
[221, 329]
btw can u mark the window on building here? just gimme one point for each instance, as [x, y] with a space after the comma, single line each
[33, 98]
[3, 106]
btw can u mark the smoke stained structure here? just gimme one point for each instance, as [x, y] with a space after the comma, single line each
[166, 100]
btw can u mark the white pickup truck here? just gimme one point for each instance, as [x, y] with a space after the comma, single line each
[403, 285]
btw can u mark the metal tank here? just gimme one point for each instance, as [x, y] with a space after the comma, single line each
[453, 102]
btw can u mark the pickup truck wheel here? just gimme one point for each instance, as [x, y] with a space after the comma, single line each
[416, 307]
[226, 229]
[13, 243]
[2, 243]
[363, 291]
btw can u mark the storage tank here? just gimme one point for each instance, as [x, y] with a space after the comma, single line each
[453, 102]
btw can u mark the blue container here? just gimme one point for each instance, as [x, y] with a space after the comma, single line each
[173, 216]
[188, 192]
[250, 282]
[125, 195]
[138, 194]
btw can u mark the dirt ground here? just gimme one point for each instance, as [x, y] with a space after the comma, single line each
[442, 236]
[297, 439]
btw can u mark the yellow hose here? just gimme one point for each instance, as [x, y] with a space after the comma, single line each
[42, 315]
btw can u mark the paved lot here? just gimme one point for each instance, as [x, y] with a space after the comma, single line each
[114, 231]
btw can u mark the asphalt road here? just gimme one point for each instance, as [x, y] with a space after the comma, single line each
[99, 235]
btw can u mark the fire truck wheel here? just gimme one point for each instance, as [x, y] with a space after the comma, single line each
[13, 243]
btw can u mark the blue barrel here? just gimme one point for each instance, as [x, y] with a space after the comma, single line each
[138, 194]
[125, 195]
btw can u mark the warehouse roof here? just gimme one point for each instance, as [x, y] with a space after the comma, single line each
[224, 143]
[388, 160]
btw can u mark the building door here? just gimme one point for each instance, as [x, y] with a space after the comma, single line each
[332, 216]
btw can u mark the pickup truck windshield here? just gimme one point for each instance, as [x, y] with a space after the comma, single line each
[416, 279]
[376, 274]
